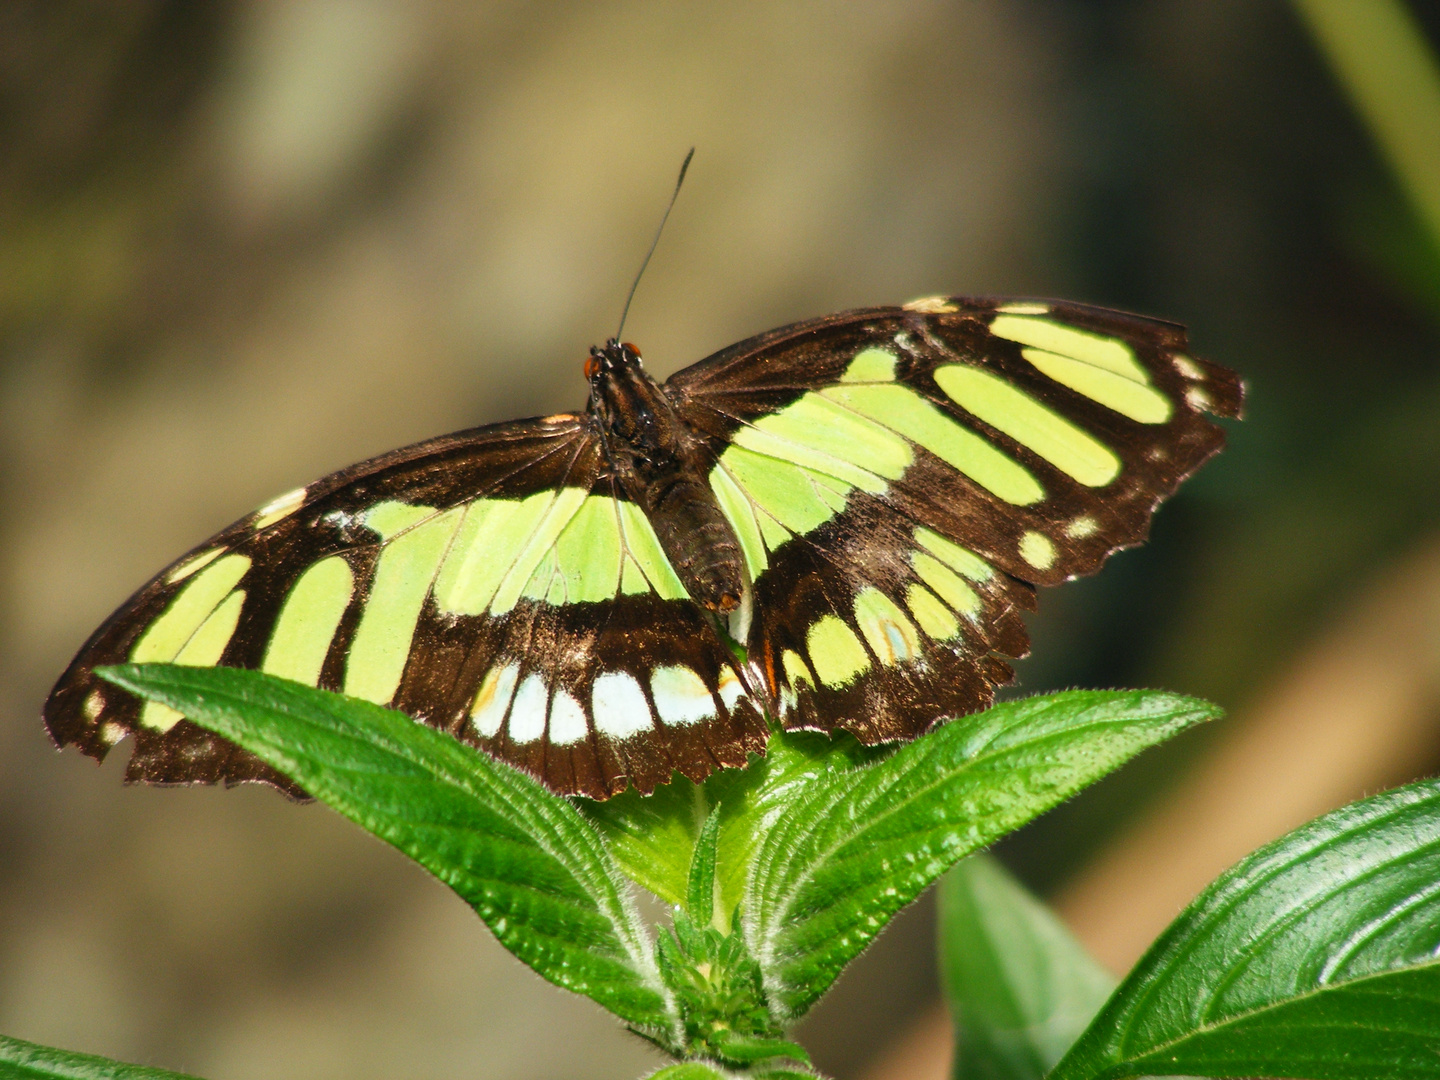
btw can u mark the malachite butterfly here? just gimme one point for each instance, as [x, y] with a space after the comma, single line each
[834, 525]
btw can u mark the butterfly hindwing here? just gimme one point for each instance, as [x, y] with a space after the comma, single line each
[492, 584]
[912, 472]
[881, 627]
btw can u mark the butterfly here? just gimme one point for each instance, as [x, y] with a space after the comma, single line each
[832, 526]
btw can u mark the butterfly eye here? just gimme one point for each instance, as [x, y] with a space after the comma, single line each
[635, 349]
[592, 367]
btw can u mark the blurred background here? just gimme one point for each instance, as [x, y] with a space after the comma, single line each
[243, 244]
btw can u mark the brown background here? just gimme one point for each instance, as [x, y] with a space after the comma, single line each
[244, 244]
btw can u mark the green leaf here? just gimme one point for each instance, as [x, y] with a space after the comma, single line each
[753, 800]
[1021, 989]
[522, 857]
[749, 1049]
[836, 867]
[700, 893]
[1315, 957]
[688, 1070]
[31, 1061]
[701, 1070]
[653, 836]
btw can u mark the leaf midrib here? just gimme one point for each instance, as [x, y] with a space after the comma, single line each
[1209, 1029]
[606, 902]
[522, 844]
[457, 781]
[1242, 890]
[975, 762]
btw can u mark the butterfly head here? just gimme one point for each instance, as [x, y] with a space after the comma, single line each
[621, 393]
[627, 401]
[614, 357]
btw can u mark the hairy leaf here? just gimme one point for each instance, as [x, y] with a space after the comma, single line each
[689, 1070]
[653, 836]
[835, 867]
[1316, 957]
[701, 1070]
[700, 892]
[22, 1060]
[526, 861]
[1021, 989]
[748, 1049]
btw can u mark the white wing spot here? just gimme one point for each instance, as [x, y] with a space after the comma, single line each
[492, 700]
[730, 689]
[567, 720]
[900, 645]
[1187, 367]
[739, 619]
[278, 508]
[1037, 549]
[619, 705]
[1197, 399]
[111, 732]
[1081, 527]
[931, 305]
[1024, 309]
[94, 705]
[192, 564]
[527, 714]
[681, 696]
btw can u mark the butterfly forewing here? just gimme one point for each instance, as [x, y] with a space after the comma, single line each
[900, 477]
[898, 481]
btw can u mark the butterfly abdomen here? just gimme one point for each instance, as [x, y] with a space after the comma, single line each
[698, 540]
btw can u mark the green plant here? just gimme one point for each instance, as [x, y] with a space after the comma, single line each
[1315, 957]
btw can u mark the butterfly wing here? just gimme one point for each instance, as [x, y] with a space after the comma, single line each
[900, 478]
[491, 583]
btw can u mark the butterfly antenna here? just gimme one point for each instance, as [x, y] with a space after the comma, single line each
[656, 242]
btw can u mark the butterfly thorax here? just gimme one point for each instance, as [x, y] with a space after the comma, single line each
[661, 464]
